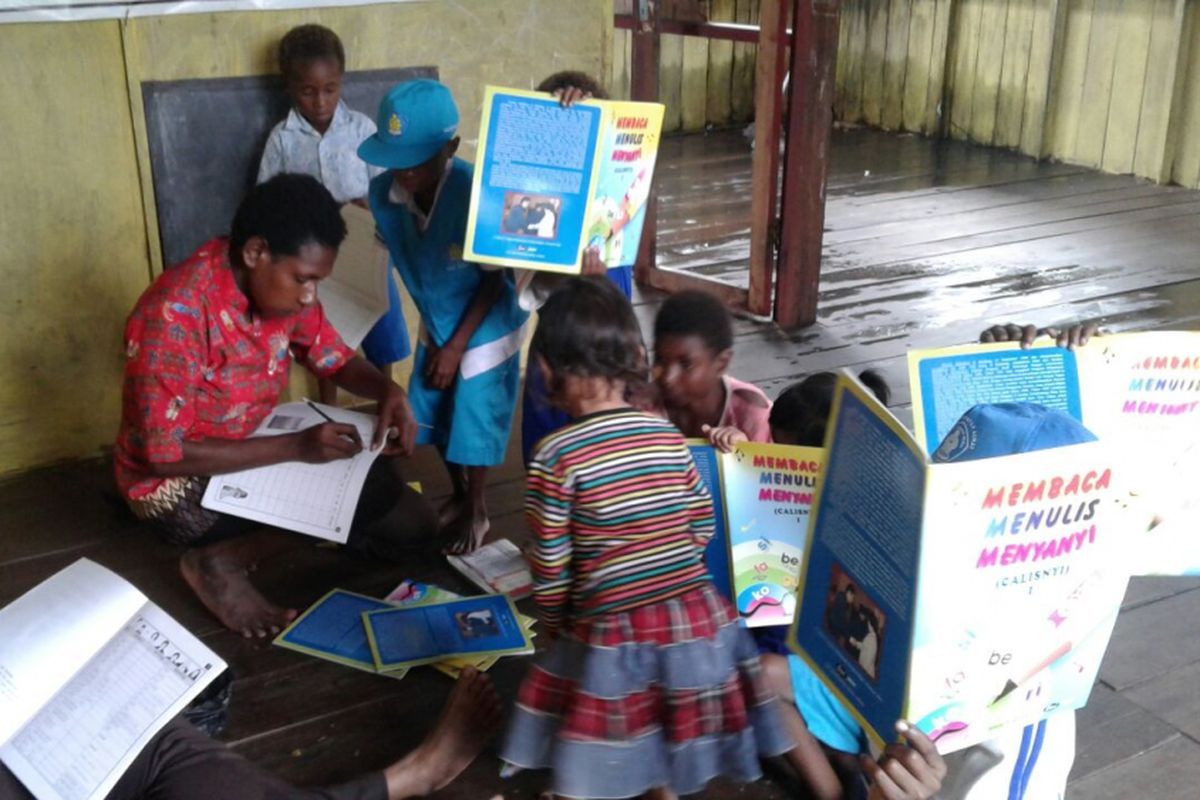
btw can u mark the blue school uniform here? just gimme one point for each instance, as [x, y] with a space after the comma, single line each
[472, 419]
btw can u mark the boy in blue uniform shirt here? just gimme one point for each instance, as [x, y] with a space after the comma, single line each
[467, 368]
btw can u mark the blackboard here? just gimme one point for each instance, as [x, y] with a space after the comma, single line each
[206, 137]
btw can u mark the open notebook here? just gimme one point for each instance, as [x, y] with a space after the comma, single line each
[90, 671]
[316, 499]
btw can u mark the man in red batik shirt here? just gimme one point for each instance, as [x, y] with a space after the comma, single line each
[208, 347]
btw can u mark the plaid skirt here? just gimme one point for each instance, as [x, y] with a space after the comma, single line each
[666, 695]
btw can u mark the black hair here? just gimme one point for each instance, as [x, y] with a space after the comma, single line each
[289, 211]
[850, 588]
[802, 410]
[587, 329]
[568, 78]
[695, 313]
[307, 43]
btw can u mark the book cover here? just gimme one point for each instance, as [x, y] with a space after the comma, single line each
[469, 628]
[1138, 392]
[761, 498]
[551, 181]
[960, 596]
[332, 629]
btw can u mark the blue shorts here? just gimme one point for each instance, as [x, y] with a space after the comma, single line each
[388, 342]
[473, 418]
[538, 418]
[827, 719]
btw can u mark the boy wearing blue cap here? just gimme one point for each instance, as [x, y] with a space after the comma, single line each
[467, 371]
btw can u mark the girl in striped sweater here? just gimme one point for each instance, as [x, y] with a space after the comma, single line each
[651, 687]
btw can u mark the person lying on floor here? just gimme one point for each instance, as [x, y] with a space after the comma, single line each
[208, 349]
[181, 763]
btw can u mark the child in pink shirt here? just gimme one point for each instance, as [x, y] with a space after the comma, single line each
[693, 345]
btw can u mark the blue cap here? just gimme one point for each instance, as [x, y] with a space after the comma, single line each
[416, 119]
[1005, 429]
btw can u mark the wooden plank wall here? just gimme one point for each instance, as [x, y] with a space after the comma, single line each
[1108, 84]
[702, 82]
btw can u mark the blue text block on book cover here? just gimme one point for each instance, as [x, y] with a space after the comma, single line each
[855, 620]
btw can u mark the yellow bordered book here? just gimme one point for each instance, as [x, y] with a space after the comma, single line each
[332, 629]
[473, 627]
[550, 181]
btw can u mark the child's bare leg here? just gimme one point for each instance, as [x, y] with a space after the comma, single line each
[217, 573]
[469, 720]
[806, 758]
[469, 530]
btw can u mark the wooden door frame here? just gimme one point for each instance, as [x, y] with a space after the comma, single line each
[786, 245]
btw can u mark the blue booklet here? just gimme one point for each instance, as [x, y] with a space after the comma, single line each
[474, 626]
[332, 629]
[716, 555]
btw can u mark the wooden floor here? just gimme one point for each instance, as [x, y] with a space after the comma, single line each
[925, 245]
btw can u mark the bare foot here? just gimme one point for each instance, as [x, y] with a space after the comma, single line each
[221, 584]
[467, 533]
[469, 720]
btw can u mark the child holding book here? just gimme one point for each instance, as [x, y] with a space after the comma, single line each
[1030, 762]
[467, 367]
[693, 345]
[651, 687]
[320, 137]
[538, 416]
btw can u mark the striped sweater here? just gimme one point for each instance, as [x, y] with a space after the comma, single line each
[619, 515]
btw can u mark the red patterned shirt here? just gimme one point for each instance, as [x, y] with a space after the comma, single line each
[200, 364]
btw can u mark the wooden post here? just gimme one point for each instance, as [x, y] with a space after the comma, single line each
[806, 164]
[770, 68]
[643, 85]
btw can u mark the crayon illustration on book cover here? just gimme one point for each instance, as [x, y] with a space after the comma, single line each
[962, 596]
[761, 499]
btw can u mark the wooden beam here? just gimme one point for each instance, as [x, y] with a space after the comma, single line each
[643, 85]
[768, 120]
[723, 31]
[672, 281]
[806, 165]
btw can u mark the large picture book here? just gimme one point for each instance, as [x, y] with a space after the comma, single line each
[551, 182]
[1139, 392]
[761, 499]
[316, 499]
[961, 596]
[90, 671]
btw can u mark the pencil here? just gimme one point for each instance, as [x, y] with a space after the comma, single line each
[317, 409]
[328, 418]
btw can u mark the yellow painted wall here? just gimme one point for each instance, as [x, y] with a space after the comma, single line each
[72, 238]
[1109, 84]
[77, 228]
